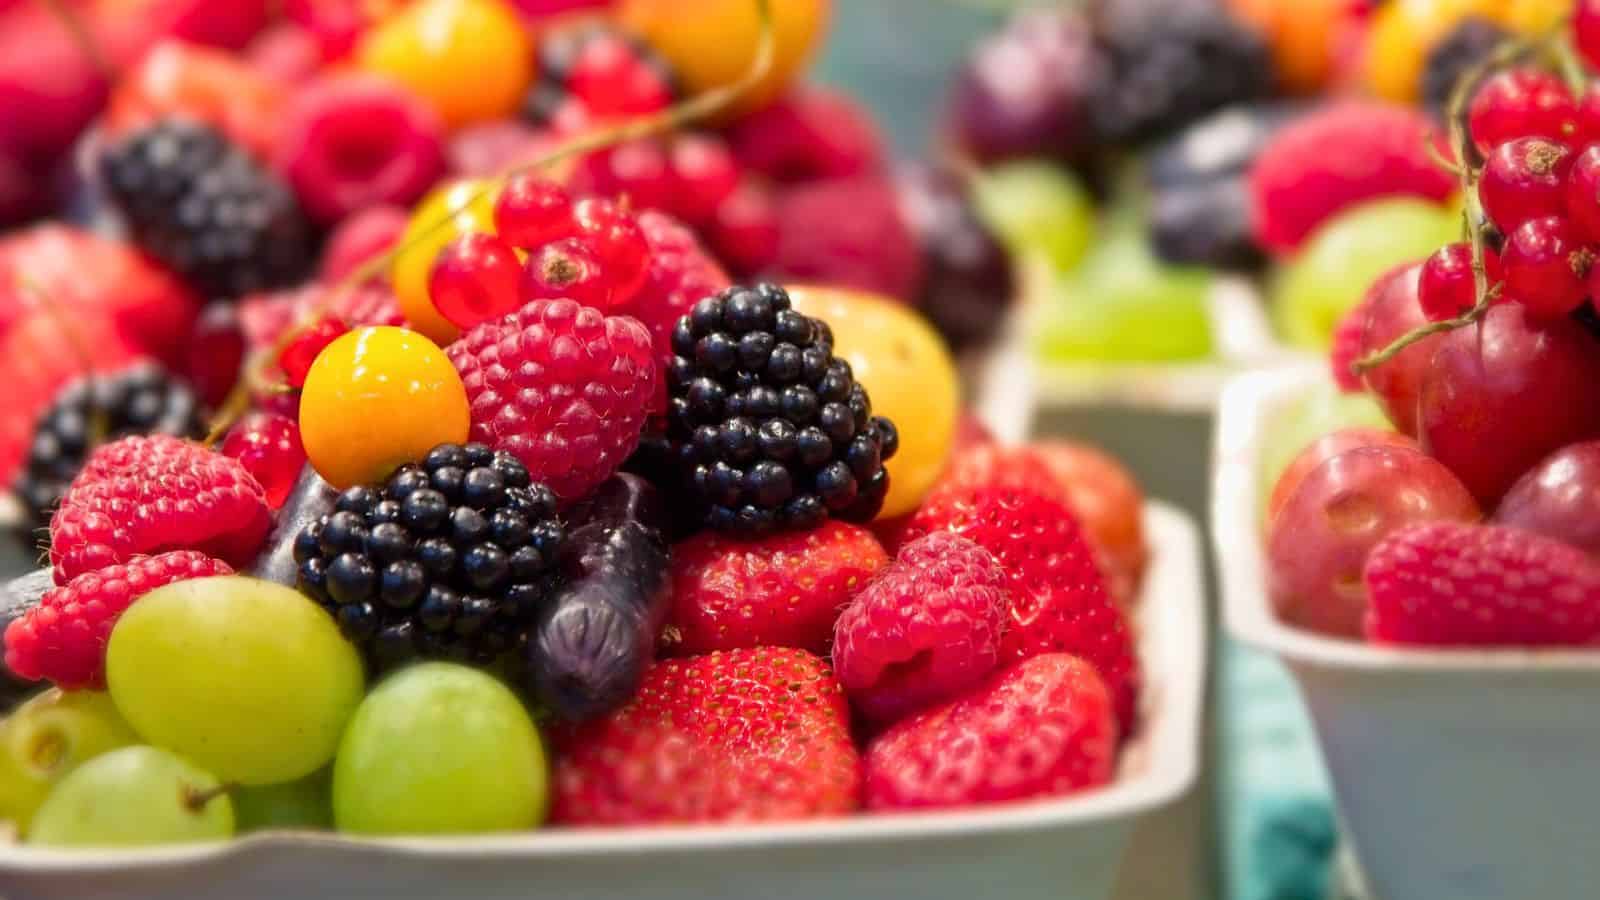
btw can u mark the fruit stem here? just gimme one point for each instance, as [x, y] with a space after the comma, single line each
[694, 109]
[80, 34]
[195, 800]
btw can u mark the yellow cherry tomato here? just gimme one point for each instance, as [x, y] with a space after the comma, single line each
[472, 60]
[909, 376]
[378, 398]
[468, 205]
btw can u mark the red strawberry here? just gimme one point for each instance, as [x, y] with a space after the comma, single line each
[1443, 583]
[1042, 728]
[927, 628]
[150, 494]
[747, 735]
[781, 591]
[1059, 602]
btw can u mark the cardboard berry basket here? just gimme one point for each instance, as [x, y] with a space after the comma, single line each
[1466, 775]
[1066, 849]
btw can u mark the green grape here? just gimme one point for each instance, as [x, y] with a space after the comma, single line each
[439, 748]
[1334, 268]
[303, 803]
[1321, 409]
[1037, 209]
[46, 738]
[248, 678]
[1124, 305]
[133, 796]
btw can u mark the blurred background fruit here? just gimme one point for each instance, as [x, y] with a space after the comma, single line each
[471, 59]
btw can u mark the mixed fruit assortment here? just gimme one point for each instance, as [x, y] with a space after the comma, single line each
[517, 507]
[1465, 514]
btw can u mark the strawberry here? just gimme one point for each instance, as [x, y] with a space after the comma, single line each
[1059, 602]
[1444, 583]
[1042, 728]
[783, 591]
[758, 734]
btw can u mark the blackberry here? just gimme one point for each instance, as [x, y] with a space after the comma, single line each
[967, 282]
[1466, 45]
[204, 207]
[768, 430]
[449, 559]
[142, 399]
[1175, 69]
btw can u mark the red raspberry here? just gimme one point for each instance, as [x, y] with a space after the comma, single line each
[63, 638]
[848, 232]
[153, 493]
[813, 133]
[1444, 583]
[781, 591]
[1059, 602]
[681, 273]
[1335, 158]
[360, 237]
[748, 735]
[926, 629]
[561, 386]
[1042, 728]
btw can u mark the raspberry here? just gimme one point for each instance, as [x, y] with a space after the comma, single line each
[150, 494]
[560, 386]
[63, 638]
[926, 629]
[1335, 158]
[680, 273]
[1449, 583]
[1059, 602]
[782, 591]
[813, 133]
[1042, 728]
[746, 735]
[360, 237]
[848, 232]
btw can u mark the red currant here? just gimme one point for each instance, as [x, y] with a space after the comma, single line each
[214, 352]
[1583, 193]
[744, 231]
[1524, 179]
[611, 79]
[636, 170]
[532, 211]
[617, 242]
[1546, 267]
[474, 279]
[1523, 102]
[296, 359]
[1587, 117]
[1586, 31]
[268, 446]
[1445, 287]
[566, 269]
[705, 173]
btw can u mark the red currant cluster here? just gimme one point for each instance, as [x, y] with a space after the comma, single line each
[546, 245]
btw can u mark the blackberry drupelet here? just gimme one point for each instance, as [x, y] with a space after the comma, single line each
[141, 399]
[204, 207]
[450, 559]
[1175, 69]
[769, 431]
[1468, 44]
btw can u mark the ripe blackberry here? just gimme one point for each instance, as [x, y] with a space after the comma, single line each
[204, 207]
[142, 399]
[1468, 44]
[769, 431]
[450, 559]
[1175, 69]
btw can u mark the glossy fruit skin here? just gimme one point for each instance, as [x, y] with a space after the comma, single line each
[376, 399]
[1109, 504]
[470, 59]
[47, 737]
[246, 677]
[302, 351]
[1583, 194]
[439, 748]
[1320, 537]
[1320, 411]
[1320, 451]
[1446, 287]
[1495, 400]
[1558, 498]
[565, 268]
[1586, 30]
[531, 211]
[474, 278]
[134, 796]
[1394, 311]
[909, 374]
[268, 446]
[469, 205]
[1518, 103]
[1524, 179]
[1546, 266]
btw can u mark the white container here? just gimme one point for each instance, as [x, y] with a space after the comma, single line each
[1065, 849]
[1460, 775]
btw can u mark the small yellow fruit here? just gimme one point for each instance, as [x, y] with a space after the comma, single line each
[378, 398]
[1402, 34]
[909, 376]
[447, 213]
[472, 60]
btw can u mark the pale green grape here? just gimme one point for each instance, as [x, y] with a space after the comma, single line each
[1334, 268]
[47, 737]
[133, 796]
[1321, 410]
[303, 803]
[439, 748]
[248, 678]
[1037, 209]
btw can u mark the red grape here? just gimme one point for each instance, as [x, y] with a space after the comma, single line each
[1319, 540]
[1446, 287]
[1546, 266]
[1502, 394]
[1323, 449]
[1516, 103]
[1559, 498]
[1583, 194]
[474, 279]
[1393, 310]
[1524, 179]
